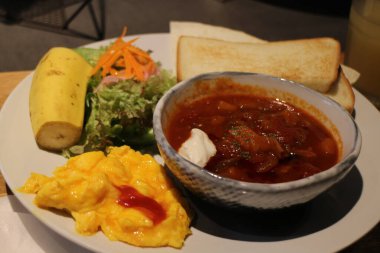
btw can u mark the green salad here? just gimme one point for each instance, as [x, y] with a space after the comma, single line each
[119, 112]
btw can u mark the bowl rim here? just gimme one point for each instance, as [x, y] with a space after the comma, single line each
[345, 164]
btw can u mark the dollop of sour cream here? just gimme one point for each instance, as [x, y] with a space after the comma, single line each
[198, 148]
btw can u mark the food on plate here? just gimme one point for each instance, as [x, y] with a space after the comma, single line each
[195, 29]
[110, 90]
[312, 62]
[125, 194]
[180, 28]
[340, 91]
[233, 193]
[257, 139]
[57, 98]
[124, 88]
[125, 61]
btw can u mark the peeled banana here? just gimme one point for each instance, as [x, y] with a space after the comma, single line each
[57, 98]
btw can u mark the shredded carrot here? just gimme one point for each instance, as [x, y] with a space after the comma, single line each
[125, 60]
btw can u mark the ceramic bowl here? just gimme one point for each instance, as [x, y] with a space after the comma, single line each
[234, 193]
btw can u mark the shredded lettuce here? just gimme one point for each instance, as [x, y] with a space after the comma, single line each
[120, 113]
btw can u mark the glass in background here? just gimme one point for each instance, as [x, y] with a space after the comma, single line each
[363, 47]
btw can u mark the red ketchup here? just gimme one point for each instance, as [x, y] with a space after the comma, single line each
[130, 197]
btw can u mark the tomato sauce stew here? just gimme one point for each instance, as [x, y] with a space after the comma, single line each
[257, 139]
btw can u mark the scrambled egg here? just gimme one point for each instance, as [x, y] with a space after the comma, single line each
[89, 186]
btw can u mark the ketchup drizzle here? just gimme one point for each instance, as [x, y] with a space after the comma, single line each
[130, 197]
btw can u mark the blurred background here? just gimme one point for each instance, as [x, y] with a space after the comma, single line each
[28, 28]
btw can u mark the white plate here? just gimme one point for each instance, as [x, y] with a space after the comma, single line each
[329, 223]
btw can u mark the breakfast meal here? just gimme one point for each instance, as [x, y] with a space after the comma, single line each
[313, 62]
[57, 98]
[125, 194]
[95, 107]
[253, 138]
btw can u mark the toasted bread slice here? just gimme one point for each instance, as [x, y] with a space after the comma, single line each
[196, 29]
[312, 62]
[341, 91]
